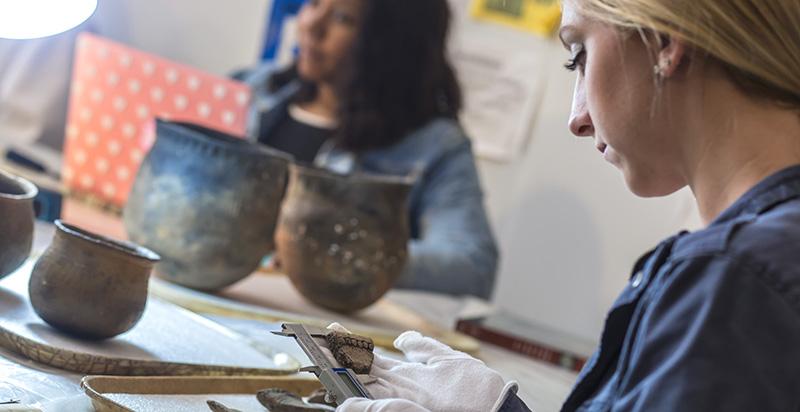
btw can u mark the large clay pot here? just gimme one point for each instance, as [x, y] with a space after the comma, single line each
[89, 285]
[16, 221]
[342, 239]
[207, 203]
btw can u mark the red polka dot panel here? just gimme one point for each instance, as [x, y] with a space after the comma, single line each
[115, 95]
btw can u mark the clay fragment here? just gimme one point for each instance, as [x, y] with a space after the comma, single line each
[218, 407]
[318, 396]
[279, 400]
[352, 351]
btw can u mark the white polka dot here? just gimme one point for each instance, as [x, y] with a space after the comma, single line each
[97, 95]
[241, 98]
[220, 91]
[107, 122]
[92, 139]
[120, 103]
[102, 52]
[171, 75]
[85, 114]
[101, 165]
[134, 86]
[77, 88]
[142, 111]
[204, 109]
[228, 117]
[91, 71]
[80, 156]
[123, 173]
[181, 102]
[148, 68]
[136, 155]
[114, 147]
[112, 79]
[87, 181]
[166, 116]
[72, 132]
[193, 83]
[157, 94]
[109, 190]
[128, 130]
[67, 173]
[125, 60]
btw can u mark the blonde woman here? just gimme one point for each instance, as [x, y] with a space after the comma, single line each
[674, 93]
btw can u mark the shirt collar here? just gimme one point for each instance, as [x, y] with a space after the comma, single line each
[775, 189]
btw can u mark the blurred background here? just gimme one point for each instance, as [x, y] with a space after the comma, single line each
[567, 227]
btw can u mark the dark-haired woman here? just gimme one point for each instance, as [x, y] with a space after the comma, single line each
[371, 90]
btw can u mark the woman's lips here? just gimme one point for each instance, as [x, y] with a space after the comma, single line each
[602, 147]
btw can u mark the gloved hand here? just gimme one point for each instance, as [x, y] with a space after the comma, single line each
[436, 378]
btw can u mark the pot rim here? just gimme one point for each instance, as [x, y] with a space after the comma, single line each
[312, 170]
[128, 248]
[221, 139]
[26, 185]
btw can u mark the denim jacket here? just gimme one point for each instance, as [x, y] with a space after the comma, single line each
[452, 250]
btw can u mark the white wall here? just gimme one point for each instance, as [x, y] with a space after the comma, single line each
[568, 228]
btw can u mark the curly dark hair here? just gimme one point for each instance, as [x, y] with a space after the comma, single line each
[397, 77]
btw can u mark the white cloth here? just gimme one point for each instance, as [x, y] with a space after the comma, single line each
[435, 378]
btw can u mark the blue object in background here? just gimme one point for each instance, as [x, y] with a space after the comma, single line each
[281, 10]
[47, 203]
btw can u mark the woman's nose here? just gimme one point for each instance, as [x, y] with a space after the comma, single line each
[580, 122]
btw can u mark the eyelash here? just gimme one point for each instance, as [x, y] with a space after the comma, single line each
[575, 62]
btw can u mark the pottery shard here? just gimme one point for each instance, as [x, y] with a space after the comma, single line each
[218, 407]
[280, 400]
[318, 396]
[352, 351]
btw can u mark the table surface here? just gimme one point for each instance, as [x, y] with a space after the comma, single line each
[542, 386]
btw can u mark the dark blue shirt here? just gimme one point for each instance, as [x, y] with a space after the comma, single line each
[710, 320]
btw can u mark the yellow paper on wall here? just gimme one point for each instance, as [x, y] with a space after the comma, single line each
[537, 16]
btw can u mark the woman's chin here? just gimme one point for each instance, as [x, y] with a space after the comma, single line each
[651, 187]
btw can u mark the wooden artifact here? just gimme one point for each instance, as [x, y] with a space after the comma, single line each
[125, 394]
[168, 340]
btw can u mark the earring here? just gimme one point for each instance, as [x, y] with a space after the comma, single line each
[658, 69]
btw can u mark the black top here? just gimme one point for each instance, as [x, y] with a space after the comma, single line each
[289, 135]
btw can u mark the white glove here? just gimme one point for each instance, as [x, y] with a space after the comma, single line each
[437, 378]
[380, 405]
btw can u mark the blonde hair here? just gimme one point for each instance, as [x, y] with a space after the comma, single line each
[757, 42]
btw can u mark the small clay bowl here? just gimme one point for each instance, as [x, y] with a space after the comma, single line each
[16, 221]
[89, 285]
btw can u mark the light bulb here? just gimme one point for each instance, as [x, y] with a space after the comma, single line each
[30, 19]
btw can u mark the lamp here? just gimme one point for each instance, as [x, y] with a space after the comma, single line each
[30, 19]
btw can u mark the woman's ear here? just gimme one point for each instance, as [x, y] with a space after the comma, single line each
[671, 56]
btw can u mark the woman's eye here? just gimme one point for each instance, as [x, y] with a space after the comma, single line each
[344, 17]
[577, 61]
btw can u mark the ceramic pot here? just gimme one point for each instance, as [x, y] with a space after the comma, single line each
[89, 285]
[342, 239]
[16, 221]
[207, 203]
